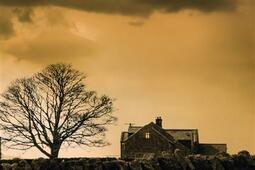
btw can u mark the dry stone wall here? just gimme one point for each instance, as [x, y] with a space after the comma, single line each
[241, 161]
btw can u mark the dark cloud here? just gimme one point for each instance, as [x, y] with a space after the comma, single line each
[23, 9]
[24, 14]
[131, 7]
[6, 28]
[6, 25]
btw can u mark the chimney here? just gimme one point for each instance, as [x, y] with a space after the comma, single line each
[159, 121]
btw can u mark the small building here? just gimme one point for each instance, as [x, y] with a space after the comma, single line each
[153, 140]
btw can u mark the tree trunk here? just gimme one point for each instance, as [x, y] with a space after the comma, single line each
[54, 151]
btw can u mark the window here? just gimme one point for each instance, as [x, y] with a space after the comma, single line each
[147, 135]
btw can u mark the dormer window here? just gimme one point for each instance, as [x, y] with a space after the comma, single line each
[147, 135]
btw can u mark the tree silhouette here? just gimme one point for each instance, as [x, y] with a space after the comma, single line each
[52, 109]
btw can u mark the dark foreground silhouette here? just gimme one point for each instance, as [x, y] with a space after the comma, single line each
[241, 161]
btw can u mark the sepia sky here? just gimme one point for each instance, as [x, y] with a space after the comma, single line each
[190, 61]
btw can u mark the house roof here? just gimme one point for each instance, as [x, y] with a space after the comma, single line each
[133, 129]
[178, 134]
[183, 134]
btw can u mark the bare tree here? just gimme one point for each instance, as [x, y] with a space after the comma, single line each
[52, 109]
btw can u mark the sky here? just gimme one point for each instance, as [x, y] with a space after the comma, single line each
[192, 62]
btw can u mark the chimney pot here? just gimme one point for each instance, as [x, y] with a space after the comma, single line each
[159, 121]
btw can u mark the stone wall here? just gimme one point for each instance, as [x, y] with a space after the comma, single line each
[241, 161]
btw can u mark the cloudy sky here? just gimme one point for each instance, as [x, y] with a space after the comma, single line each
[189, 61]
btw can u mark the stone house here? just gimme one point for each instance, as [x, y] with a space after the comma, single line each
[153, 140]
